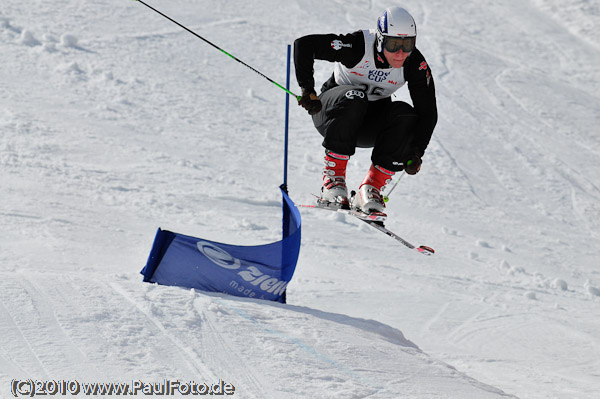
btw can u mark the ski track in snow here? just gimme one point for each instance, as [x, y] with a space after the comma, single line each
[80, 327]
[113, 122]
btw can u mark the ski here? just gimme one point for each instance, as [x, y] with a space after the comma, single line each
[374, 220]
[422, 249]
[374, 217]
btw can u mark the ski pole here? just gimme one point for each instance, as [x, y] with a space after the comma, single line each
[218, 48]
[386, 197]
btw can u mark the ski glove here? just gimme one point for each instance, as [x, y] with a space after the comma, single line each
[413, 165]
[310, 102]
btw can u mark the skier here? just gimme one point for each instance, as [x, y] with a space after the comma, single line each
[355, 108]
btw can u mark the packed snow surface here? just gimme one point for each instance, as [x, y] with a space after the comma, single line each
[115, 121]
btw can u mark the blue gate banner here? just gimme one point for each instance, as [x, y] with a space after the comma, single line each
[261, 271]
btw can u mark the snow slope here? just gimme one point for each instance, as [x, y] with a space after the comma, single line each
[114, 121]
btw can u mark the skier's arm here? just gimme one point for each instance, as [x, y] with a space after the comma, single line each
[422, 92]
[347, 49]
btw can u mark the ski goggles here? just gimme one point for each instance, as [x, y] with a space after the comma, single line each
[394, 44]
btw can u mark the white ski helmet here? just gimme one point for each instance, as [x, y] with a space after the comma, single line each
[396, 22]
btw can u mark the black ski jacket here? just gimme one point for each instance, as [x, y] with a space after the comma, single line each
[349, 50]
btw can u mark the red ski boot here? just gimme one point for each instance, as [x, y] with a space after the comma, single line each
[334, 188]
[369, 199]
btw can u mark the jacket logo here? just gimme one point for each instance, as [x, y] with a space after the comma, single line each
[423, 66]
[337, 45]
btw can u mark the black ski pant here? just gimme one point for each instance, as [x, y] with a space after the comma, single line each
[348, 120]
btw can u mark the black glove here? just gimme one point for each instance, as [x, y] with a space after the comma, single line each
[310, 102]
[413, 165]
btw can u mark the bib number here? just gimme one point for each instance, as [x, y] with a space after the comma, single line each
[372, 90]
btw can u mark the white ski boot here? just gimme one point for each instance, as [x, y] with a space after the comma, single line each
[369, 199]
